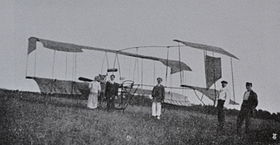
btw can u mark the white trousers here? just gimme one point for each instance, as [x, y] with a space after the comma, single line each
[156, 109]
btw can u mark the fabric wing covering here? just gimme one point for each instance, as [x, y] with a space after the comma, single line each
[53, 86]
[210, 93]
[175, 65]
[232, 102]
[213, 70]
[206, 48]
[170, 97]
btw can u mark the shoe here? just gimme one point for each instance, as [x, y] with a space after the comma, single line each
[158, 117]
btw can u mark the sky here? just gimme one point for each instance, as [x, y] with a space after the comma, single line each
[250, 29]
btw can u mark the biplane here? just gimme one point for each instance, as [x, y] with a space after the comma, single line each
[132, 87]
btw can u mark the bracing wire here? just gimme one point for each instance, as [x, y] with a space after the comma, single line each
[136, 67]
[102, 65]
[142, 73]
[73, 71]
[116, 60]
[129, 69]
[170, 84]
[114, 64]
[107, 60]
[73, 66]
[66, 65]
[200, 99]
[119, 65]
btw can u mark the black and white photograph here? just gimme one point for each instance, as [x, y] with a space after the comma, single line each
[139, 72]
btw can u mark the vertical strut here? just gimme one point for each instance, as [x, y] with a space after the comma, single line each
[215, 83]
[26, 65]
[119, 66]
[232, 77]
[142, 73]
[179, 52]
[167, 63]
[35, 63]
[54, 52]
[75, 66]
[154, 74]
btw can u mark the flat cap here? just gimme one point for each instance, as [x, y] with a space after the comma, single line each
[224, 82]
[249, 84]
[159, 78]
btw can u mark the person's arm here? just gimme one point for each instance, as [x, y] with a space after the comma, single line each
[99, 88]
[255, 101]
[117, 89]
[106, 89]
[153, 92]
[228, 96]
[90, 87]
[163, 94]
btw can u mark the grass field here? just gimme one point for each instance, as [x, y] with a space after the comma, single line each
[36, 119]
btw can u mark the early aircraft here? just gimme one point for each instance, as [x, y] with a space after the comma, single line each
[72, 87]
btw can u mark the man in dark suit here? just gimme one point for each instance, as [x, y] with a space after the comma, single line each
[250, 102]
[158, 95]
[111, 91]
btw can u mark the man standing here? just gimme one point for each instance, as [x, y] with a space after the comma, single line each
[111, 92]
[158, 97]
[250, 102]
[223, 97]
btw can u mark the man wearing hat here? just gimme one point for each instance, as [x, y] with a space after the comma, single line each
[222, 98]
[158, 97]
[111, 91]
[250, 102]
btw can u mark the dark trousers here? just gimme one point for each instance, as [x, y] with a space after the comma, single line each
[110, 102]
[221, 114]
[244, 114]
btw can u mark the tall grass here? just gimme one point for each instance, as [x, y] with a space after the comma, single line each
[35, 119]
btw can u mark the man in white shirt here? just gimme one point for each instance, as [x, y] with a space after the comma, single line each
[223, 97]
